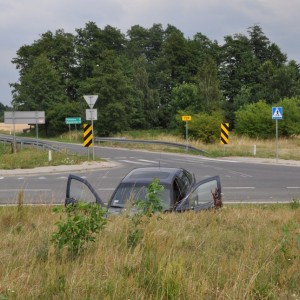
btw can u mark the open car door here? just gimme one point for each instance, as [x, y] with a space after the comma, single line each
[79, 189]
[205, 194]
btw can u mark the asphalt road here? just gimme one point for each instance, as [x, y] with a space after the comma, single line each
[243, 180]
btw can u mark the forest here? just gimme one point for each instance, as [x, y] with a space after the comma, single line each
[149, 77]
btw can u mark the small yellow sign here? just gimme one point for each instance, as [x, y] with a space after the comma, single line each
[186, 118]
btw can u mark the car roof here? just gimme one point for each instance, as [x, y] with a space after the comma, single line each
[147, 174]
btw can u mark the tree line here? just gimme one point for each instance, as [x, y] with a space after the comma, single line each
[148, 77]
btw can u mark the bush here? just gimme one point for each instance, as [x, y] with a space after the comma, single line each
[205, 127]
[290, 124]
[145, 209]
[255, 120]
[82, 221]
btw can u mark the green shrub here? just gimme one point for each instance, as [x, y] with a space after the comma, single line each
[205, 127]
[255, 120]
[82, 222]
[145, 209]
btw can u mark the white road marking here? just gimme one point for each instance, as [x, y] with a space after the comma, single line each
[150, 161]
[239, 173]
[133, 162]
[293, 187]
[239, 187]
[25, 190]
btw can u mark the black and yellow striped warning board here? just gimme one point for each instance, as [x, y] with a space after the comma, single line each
[87, 135]
[224, 133]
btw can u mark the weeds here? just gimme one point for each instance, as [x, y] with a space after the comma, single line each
[295, 203]
[243, 252]
[83, 221]
[145, 210]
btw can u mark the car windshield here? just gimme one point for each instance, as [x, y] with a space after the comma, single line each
[127, 192]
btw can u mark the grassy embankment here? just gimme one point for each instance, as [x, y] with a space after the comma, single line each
[241, 252]
[288, 149]
[238, 146]
[31, 157]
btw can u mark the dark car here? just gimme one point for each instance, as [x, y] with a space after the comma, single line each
[181, 191]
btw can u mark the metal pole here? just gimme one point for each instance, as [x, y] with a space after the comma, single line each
[37, 134]
[14, 129]
[70, 132]
[276, 141]
[92, 117]
[186, 135]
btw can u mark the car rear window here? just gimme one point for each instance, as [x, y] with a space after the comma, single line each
[150, 174]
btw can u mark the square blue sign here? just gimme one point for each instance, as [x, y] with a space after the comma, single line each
[277, 113]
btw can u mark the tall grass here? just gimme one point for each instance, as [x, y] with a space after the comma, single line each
[288, 148]
[244, 252]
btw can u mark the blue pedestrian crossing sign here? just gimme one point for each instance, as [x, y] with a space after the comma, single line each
[277, 113]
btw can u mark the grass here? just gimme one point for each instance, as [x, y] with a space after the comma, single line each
[239, 252]
[288, 149]
[27, 158]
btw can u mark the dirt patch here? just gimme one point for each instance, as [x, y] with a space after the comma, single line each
[10, 127]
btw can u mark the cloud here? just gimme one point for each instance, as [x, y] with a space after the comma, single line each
[22, 22]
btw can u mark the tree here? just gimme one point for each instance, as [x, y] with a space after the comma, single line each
[146, 99]
[114, 89]
[185, 97]
[262, 48]
[210, 96]
[40, 88]
[172, 70]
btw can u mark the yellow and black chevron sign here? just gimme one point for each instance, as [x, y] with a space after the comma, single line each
[224, 133]
[87, 135]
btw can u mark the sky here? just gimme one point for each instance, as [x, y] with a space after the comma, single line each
[23, 22]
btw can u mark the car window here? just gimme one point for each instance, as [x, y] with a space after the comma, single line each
[203, 193]
[127, 193]
[80, 192]
[184, 182]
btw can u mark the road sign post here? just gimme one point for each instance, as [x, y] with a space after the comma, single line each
[186, 119]
[91, 100]
[277, 114]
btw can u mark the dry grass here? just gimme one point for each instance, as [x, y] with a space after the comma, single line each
[236, 253]
[9, 128]
[238, 146]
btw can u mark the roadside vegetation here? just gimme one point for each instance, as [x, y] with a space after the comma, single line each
[288, 148]
[238, 252]
[31, 157]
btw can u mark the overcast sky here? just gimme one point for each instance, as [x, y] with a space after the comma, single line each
[23, 21]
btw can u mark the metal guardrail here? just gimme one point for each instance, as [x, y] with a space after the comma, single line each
[42, 144]
[28, 141]
[124, 140]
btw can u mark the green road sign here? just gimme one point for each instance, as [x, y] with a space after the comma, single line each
[76, 120]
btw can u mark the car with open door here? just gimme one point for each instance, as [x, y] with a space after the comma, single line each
[180, 192]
